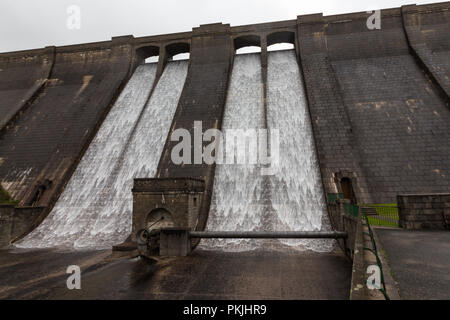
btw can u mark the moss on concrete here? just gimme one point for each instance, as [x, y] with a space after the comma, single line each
[5, 198]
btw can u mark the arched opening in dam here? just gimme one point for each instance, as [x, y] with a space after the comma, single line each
[282, 40]
[247, 44]
[178, 51]
[147, 54]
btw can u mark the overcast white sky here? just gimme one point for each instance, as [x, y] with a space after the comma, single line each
[28, 24]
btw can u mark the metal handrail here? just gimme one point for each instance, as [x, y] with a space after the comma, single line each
[374, 251]
[269, 234]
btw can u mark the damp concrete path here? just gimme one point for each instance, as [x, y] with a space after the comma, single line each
[202, 275]
[420, 262]
[29, 273]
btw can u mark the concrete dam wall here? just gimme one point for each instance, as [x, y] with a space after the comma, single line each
[377, 102]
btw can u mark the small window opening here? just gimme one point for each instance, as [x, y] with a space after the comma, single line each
[347, 189]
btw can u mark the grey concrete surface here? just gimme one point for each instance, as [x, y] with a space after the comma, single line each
[420, 262]
[202, 275]
[28, 273]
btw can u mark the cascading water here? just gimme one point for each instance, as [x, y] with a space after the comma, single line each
[235, 203]
[296, 192]
[95, 209]
[290, 200]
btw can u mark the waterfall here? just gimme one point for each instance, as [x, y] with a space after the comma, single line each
[292, 199]
[95, 209]
[235, 203]
[296, 191]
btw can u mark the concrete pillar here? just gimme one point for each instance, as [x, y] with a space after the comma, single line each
[6, 219]
[335, 151]
[162, 60]
[264, 75]
[123, 46]
[174, 242]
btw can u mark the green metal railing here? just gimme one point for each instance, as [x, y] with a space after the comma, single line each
[374, 250]
[384, 215]
[375, 215]
[5, 198]
[351, 210]
[332, 197]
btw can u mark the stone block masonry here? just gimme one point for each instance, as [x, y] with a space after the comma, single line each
[424, 211]
[400, 122]
[166, 202]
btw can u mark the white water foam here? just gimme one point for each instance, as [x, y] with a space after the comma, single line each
[296, 190]
[235, 203]
[95, 209]
[292, 199]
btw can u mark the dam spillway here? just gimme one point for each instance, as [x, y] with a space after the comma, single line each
[296, 191]
[94, 211]
[290, 199]
[237, 187]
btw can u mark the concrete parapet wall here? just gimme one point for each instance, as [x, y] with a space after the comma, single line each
[358, 288]
[16, 221]
[426, 211]
[340, 221]
[365, 249]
